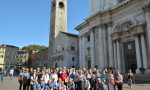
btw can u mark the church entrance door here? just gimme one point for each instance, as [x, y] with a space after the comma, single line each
[89, 64]
[130, 56]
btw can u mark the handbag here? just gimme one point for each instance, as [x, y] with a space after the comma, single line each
[120, 83]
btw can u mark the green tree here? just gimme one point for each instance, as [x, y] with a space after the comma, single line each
[34, 47]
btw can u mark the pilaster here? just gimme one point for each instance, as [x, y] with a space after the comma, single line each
[138, 54]
[118, 55]
[144, 54]
[80, 51]
[101, 49]
[110, 45]
[115, 54]
[83, 51]
[92, 49]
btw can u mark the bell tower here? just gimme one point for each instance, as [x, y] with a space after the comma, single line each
[58, 19]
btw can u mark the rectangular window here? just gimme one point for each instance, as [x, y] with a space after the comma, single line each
[63, 49]
[72, 48]
[73, 58]
[1, 56]
[6, 56]
[88, 38]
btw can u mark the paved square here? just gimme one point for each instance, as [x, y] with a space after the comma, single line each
[8, 84]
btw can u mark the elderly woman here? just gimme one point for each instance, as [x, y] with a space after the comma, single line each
[111, 82]
[86, 84]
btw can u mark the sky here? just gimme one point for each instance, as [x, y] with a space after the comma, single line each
[27, 22]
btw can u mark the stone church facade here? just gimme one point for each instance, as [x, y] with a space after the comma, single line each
[116, 35]
[65, 52]
[63, 46]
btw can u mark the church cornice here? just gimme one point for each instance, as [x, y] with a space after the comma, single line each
[146, 6]
[104, 13]
[132, 30]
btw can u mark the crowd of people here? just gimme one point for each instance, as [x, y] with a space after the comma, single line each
[70, 79]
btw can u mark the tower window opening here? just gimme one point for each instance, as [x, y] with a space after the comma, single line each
[53, 5]
[61, 4]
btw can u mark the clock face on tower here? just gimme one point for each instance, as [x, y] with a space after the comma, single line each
[61, 5]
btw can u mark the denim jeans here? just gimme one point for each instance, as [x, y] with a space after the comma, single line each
[35, 86]
[20, 85]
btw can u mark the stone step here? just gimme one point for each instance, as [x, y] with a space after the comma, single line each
[139, 78]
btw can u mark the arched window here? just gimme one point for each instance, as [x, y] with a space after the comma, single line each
[61, 5]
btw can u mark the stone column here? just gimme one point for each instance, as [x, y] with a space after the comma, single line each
[115, 55]
[80, 51]
[105, 47]
[92, 49]
[138, 54]
[144, 54]
[147, 15]
[118, 55]
[83, 51]
[101, 49]
[110, 46]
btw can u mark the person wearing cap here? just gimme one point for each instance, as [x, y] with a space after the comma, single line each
[70, 84]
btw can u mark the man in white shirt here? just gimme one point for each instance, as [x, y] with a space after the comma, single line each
[33, 81]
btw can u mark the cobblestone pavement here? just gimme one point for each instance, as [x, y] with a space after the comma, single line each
[8, 84]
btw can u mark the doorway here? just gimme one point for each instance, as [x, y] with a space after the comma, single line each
[130, 56]
[89, 64]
